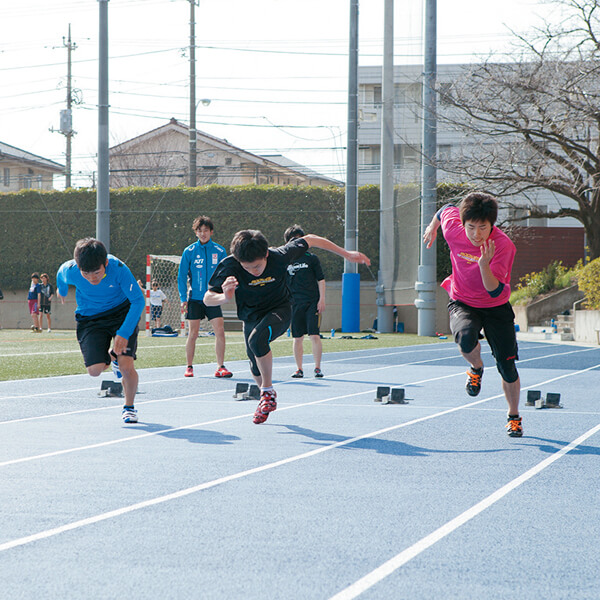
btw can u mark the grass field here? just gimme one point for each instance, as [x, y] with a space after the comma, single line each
[24, 354]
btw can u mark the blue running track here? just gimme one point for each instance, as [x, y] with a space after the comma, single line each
[334, 497]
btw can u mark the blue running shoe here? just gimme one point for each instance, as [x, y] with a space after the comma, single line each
[129, 414]
[115, 365]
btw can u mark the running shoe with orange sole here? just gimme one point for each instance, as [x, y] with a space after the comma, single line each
[267, 404]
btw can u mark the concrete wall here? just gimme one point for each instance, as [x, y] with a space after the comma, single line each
[587, 326]
[545, 309]
[14, 313]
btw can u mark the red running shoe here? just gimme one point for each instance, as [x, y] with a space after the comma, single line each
[267, 404]
[223, 372]
[189, 372]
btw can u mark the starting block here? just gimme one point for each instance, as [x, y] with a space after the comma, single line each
[245, 392]
[382, 392]
[385, 395]
[111, 389]
[534, 398]
[552, 400]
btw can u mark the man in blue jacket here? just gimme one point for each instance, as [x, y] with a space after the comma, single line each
[198, 262]
[109, 305]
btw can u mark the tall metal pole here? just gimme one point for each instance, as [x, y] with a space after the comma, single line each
[385, 314]
[69, 132]
[426, 283]
[351, 277]
[102, 193]
[193, 149]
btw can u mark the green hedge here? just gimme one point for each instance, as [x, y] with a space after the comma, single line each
[39, 229]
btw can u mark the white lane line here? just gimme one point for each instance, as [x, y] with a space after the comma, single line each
[387, 568]
[176, 398]
[86, 410]
[209, 484]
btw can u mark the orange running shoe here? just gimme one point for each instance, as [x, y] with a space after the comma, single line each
[513, 427]
[474, 381]
[189, 372]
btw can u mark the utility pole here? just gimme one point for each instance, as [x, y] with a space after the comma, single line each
[67, 130]
[193, 149]
[102, 192]
[387, 246]
[426, 284]
[351, 277]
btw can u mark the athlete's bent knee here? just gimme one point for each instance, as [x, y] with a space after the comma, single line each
[508, 370]
[467, 339]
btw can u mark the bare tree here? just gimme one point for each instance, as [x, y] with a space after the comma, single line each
[532, 122]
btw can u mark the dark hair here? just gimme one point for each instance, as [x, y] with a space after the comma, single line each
[202, 220]
[35, 276]
[44, 275]
[293, 232]
[90, 254]
[479, 206]
[249, 245]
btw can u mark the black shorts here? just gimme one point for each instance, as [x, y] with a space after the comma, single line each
[305, 319]
[95, 335]
[197, 310]
[259, 333]
[155, 312]
[45, 309]
[497, 322]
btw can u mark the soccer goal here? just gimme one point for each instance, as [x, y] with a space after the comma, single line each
[164, 268]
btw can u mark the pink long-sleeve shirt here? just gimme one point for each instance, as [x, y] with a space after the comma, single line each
[465, 283]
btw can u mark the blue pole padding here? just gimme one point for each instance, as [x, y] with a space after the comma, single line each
[350, 302]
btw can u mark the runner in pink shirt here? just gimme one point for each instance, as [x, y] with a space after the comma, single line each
[479, 290]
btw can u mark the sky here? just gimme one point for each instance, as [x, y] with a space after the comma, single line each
[275, 71]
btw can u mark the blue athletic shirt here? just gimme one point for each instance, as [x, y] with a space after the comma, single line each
[198, 263]
[117, 286]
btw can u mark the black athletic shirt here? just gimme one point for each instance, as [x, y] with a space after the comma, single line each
[256, 296]
[305, 274]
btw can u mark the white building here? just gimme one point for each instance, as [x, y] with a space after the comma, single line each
[408, 134]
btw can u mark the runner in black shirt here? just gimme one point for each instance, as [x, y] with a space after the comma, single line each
[257, 276]
[307, 285]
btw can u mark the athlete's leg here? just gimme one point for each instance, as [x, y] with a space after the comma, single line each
[265, 364]
[190, 345]
[130, 378]
[317, 349]
[218, 325]
[298, 351]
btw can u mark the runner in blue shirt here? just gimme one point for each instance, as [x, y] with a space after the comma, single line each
[198, 262]
[109, 305]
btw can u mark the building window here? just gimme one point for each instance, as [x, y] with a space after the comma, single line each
[377, 94]
[228, 161]
[6, 177]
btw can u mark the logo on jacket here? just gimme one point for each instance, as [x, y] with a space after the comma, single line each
[198, 261]
[215, 259]
[296, 267]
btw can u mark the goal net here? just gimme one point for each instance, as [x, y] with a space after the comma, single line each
[163, 269]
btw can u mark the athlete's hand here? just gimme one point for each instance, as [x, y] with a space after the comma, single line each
[430, 235]
[488, 248]
[358, 257]
[119, 345]
[183, 306]
[229, 286]
[320, 306]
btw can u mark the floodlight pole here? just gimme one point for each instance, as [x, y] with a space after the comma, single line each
[351, 277]
[426, 284]
[385, 313]
[102, 192]
[193, 140]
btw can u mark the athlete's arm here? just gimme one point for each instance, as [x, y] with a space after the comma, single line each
[321, 302]
[214, 298]
[316, 241]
